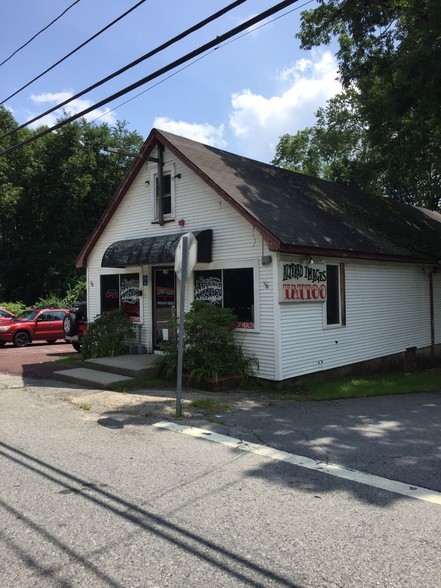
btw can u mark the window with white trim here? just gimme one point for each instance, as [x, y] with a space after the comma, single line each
[168, 195]
[335, 300]
[228, 288]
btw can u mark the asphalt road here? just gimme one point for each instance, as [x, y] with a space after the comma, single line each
[110, 499]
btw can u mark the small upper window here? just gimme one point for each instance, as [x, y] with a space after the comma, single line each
[167, 196]
[335, 302]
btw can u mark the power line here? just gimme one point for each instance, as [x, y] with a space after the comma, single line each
[39, 33]
[75, 50]
[201, 49]
[165, 45]
[199, 59]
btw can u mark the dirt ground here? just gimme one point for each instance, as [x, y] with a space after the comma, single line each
[32, 361]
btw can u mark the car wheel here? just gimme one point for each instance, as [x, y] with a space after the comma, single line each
[50, 341]
[2, 343]
[21, 339]
[77, 346]
[69, 324]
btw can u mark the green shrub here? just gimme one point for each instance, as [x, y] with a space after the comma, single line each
[76, 291]
[210, 350]
[107, 335]
[15, 307]
[50, 301]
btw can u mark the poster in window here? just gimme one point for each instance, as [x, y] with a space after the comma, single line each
[208, 287]
[129, 292]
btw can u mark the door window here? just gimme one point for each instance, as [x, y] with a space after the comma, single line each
[164, 305]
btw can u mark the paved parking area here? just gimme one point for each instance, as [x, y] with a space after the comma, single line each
[32, 361]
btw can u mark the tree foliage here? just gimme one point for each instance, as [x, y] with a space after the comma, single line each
[386, 125]
[52, 193]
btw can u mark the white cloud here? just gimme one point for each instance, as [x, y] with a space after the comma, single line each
[74, 107]
[204, 133]
[258, 121]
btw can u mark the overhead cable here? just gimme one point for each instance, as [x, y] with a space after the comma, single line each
[201, 49]
[177, 72]
[39, 33]
[158, 49]
[74, 50]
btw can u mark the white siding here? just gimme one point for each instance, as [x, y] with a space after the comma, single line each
[236, 243]
[387, 305]
[437, 306]
[387, 311]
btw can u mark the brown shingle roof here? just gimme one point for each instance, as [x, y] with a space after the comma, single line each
[299, 213]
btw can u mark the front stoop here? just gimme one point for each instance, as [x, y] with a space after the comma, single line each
[102, 372]
[91, 378]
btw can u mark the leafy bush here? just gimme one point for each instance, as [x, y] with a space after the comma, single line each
[15, 307]
[76, 291]
[50, 301]
[210, 350]
[107, 335]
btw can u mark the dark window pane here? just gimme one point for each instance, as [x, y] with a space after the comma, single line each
[109, 292]
[239, 293]
[166, 194]
[333, 296]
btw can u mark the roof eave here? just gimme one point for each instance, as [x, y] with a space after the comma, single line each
[345, 254]
[132, 172]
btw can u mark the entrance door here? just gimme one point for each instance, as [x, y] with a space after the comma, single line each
[164, 304]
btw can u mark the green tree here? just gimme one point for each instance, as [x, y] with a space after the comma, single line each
[54, 191]
[335, 149]
[390, 57]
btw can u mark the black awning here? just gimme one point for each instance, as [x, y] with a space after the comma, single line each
[152, 250]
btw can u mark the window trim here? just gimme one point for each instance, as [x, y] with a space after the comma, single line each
[237, 265]
[167, 171]
[341, 289]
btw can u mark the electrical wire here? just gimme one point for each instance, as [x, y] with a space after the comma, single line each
[74, 50]
[196, 52]
[107, 112]
[158, 49]
[39, 33]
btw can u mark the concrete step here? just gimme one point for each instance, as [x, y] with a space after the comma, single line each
[136, 366]
[91, 378]
[100, 373]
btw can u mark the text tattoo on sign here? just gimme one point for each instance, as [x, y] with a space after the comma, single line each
[303, 283]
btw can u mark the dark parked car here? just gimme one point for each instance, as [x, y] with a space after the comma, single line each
[75, 324]
[40, 324]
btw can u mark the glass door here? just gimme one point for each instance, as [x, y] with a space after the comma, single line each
[164, 305]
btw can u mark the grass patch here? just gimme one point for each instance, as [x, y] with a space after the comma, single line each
[85, 406]
[71, 358]
[361, 387]
[208, 404]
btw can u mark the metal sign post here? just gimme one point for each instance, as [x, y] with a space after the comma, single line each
[185, 259]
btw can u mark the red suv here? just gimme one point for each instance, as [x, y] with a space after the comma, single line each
[41, 324]
[6, 316]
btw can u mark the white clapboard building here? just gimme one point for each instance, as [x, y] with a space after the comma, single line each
[320, 275]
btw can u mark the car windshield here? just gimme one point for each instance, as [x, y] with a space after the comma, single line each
[27, 315]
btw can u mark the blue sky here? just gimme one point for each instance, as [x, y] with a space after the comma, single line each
[240, 97]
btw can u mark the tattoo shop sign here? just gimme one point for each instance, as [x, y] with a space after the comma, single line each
[301, 282]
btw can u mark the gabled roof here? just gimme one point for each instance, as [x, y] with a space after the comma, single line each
[296, 213]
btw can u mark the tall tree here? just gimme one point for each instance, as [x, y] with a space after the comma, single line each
[390, 56]
[53, 193]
